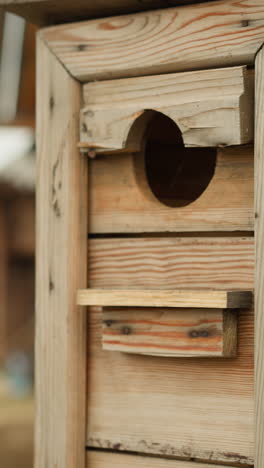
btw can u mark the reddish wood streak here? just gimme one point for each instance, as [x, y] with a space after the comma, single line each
[161, 346]
[179, 335]
[108, 26]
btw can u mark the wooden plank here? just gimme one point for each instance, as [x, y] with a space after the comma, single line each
[44, 12]
[170, 332]
[206, 114]
[259, 270]
[164, 298]
[101, 459]
[130, 206]
[138, 45]
[164, 263]
[61, 248]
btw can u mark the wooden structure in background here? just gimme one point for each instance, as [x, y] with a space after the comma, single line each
[17, 251]
[17, 271]
[17, 214]
[26, 98]
[3, 282]
[189, 409]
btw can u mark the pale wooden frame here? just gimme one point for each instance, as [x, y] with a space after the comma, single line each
[62, 214]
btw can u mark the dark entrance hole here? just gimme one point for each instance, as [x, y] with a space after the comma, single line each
[176, 175]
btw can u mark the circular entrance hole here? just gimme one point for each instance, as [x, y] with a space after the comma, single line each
[176, 175]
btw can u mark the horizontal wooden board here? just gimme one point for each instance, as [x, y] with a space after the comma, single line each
[165, 298]
[170, 332]
[101, 459]
[45, 12]
[170, 262]
[200, 408]
[193, 100]
[121, 200]
[176, 39]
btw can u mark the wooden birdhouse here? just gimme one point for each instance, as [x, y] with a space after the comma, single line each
[147, 144]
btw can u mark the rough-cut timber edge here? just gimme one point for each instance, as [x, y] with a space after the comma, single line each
[102, 459]
[208, 35]
[259, 268]
[61, 269]
[115, 117]
[45, 12]
[168, 298]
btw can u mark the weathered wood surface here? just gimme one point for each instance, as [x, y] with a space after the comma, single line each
[100, 459]
[167, 263]
[170, 332]
[211, 398]
[176, 39]
[259, 267]
[207, 114]
[61, 249]
[130, 206]
[200, 408]
[44, 12]
[165, 298]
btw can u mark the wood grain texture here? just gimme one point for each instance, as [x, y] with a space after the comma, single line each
[207, 114]
[61, 248]
[190, 408]
[167, 263]
[165, 298]
[100, 459]
[130, 205]
[177, 39]
[44, 12]
[259, 270]
[200, 408]
[170, 332]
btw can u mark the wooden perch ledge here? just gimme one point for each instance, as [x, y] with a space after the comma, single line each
[165, 298]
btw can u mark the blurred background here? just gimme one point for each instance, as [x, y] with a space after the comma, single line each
[17, 240]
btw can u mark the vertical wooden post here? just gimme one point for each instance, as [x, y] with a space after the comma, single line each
[259, 269]
[61, 269]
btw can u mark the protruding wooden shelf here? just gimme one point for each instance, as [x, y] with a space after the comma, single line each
[165, 298]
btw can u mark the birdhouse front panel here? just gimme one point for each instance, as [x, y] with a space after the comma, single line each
[171, 189]
[150, 238]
